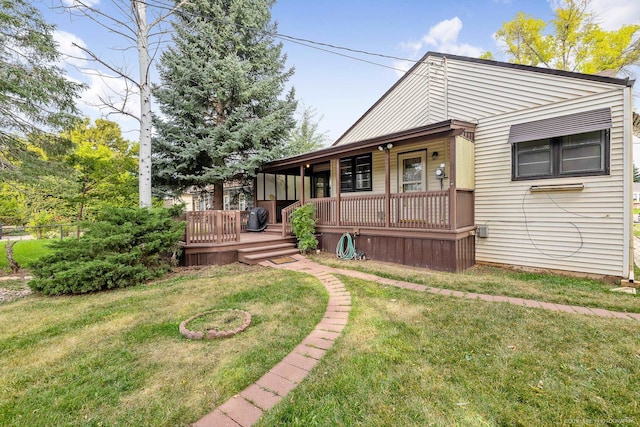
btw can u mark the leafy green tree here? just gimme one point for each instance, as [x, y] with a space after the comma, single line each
[305, 136]
[222, 81]
[577, 42]
[636, 174]
[35, 96]
[104, 165]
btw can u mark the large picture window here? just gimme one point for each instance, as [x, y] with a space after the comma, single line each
[355, 173]
[572, 155]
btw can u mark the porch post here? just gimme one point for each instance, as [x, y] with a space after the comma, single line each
[387, 188]
[338, 191]
[453, 213]
[301, 184]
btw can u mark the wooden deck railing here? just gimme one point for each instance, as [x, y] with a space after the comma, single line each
[423, 211]
[426, 210]
[206, 227]
[286, 218]
[419, 211]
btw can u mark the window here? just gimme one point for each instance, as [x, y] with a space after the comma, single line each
[355, 173]
[572, 155]
[412, 172]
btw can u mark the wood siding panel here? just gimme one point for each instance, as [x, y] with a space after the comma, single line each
[442, 255]
[581, 231]
[465, 163]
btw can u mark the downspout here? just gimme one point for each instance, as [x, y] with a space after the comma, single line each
[628, 180]
[446, 90]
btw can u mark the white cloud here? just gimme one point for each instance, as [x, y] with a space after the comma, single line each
[75, 3]
[442, 37]
[612, 14]
[71, 54]
[113, 90]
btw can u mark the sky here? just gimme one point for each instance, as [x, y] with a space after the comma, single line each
[339, 87]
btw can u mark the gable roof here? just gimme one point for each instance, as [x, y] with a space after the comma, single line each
[501, 65]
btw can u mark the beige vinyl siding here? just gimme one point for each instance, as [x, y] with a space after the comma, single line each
[419, 99]
[440, 89]
[581, 231]
[377, 160]
[478, 90]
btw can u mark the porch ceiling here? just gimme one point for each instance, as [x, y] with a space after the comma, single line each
[436, 130]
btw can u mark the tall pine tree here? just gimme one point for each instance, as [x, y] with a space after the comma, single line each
[222, 81]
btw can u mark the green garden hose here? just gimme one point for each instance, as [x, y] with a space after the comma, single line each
[346, 249]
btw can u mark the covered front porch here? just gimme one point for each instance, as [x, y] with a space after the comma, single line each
[408, 197]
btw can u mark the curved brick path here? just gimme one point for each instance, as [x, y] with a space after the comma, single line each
[246, 408]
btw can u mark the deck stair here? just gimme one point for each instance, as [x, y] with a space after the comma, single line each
[274, 228]
[256, 254]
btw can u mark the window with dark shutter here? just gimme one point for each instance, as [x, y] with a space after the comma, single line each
[572, 145]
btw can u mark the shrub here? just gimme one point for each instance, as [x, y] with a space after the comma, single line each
[303, 225]
[124, 247]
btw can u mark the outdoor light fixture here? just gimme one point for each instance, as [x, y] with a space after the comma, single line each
[434, 155]
[387, 147]
[380, 147]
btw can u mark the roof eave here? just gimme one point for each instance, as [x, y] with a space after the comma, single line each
[434, 130]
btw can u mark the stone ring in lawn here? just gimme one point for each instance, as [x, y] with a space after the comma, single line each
[214, 324]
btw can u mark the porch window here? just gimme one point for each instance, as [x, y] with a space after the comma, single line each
[572, 155]
[355, 173]
[412, 173]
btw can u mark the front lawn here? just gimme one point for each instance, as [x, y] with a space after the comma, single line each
[416, 359]
[406, 358]
[117, 358]
[25, 252]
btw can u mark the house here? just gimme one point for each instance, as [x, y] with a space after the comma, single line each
[236, 197]
[466, 160]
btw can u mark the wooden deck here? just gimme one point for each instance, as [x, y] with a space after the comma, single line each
[248, 244]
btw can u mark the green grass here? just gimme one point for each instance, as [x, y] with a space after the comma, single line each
[117, 358]
[496, 281]
[414, 359]
[25, 252]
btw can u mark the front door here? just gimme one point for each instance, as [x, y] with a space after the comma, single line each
[320, 187]
[413, 172]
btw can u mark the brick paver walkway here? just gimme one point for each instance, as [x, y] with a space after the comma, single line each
[246, 408]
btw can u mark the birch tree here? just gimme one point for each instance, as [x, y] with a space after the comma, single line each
[133, 26]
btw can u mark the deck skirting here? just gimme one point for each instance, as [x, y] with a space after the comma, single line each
[451, 252]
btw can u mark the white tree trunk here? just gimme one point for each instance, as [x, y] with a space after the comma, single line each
[144, 158]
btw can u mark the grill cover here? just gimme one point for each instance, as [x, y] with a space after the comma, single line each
[257, 219]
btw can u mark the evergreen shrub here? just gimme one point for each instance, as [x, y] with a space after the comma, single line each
[124, 247]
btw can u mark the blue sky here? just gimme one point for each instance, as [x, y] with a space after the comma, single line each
[340, 89]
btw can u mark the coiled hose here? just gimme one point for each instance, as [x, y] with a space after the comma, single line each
[346, 248]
